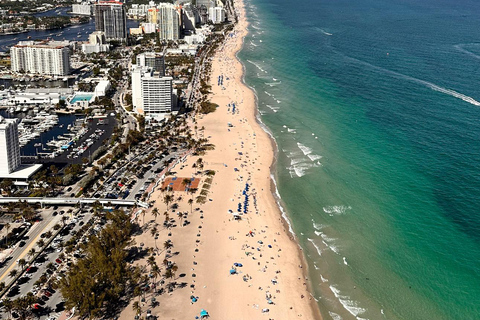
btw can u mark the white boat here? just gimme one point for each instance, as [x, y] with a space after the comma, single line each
[65, 79]
[25, 109]
[37, 144]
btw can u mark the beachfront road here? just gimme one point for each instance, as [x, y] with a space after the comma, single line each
[48, 221]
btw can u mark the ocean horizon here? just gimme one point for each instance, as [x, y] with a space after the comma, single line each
[374, 108]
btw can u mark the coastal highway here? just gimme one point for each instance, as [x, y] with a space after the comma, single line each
[49, 255]
[48, 221]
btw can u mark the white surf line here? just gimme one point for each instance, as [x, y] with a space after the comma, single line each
[430, 85]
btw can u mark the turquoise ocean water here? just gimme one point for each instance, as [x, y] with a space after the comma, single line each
[375, 107]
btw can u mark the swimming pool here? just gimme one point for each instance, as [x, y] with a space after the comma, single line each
[81, 97]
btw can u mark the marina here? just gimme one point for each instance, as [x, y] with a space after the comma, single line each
[48, 137]
[67, 33]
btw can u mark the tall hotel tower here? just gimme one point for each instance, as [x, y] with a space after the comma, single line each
[111, 18]
[9, 146]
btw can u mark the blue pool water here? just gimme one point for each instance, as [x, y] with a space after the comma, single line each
[81, 97]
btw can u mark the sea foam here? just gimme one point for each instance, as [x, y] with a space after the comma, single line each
[335, 316]
[274, 109]
[336, 210]
[319, 251]
[308, 152]
[350, 305]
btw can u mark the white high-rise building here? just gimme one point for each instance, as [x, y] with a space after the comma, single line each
[168, 21]
[140, 9]
[9, 146]
[84, 9]
[151, 93]
[41, 57]
[216, 14]
[96, 43]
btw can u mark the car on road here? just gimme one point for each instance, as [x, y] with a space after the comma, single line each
[54, 213]
[22, 243]
[47, 293]
[58, 261]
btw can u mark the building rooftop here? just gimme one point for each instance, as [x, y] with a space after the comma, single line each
[43, 44]
[23, 172]
[4, 122]
[49, 90]
[109, 2]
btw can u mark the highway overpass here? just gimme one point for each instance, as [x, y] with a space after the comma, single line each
[73, 201]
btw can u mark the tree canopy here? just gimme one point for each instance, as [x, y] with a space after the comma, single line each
[100, 280]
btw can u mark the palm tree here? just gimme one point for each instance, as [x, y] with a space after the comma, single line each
[8, 306]
[168, 273]
[64, 219]
[156, 272]
[31, 252]
[167, 199]
[151, 260]
[7, 226]
[40, 243]
[137, 308]
[186, 182]
[153, 231]
[174, 269]
[190, 202]
[22, 263]
[97, 206]
[13, 273]
[167, 245]
[180, 215]
[200, 162]
[155, 213]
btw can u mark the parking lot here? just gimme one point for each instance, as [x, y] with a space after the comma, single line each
[51, 263]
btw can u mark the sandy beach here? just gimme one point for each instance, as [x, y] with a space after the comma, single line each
[249, 268]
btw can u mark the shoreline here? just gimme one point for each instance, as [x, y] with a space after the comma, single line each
[244, 265]
[274, 179]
